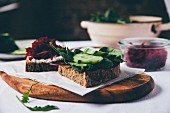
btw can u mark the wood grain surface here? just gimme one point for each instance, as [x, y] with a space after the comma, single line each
[127, 90]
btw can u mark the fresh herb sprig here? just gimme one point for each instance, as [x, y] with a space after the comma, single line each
[25, 99]
[25, 96]
[64, 52]
[39, 108]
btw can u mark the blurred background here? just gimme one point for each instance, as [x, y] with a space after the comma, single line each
[60, 19]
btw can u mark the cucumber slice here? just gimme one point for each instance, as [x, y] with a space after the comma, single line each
[94, 52]
[79, 65]
[89, 51]
[87, 59]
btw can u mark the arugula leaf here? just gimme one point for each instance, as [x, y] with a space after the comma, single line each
[64, 52]
[105, 49]
[25, 96]
[44, 108]
[77, 51]
[115, 52]
[25, 99]
[106, 63]
[39, 108]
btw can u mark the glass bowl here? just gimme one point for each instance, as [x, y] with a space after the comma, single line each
[148, 53]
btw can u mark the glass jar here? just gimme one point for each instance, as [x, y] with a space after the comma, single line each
[148, 53]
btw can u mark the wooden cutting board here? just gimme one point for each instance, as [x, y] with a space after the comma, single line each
[127, 90]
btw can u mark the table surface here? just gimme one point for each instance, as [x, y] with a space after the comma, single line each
[158, 101]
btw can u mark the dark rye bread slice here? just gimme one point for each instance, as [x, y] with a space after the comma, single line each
[89, 78]
[41, 67]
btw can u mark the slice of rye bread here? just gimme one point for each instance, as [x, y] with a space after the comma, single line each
[89, 78]
[41, 66]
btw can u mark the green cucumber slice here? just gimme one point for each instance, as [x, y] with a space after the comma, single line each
[87, 59]
[79, 65]
[94, 52]
[89, 51]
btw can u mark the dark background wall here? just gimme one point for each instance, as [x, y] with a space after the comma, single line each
[61, 19]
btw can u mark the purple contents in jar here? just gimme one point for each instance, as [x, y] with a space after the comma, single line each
[150, 57]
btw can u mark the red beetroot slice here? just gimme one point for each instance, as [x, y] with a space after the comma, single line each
[41, 49]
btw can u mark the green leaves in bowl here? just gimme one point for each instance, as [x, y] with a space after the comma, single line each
[110, 16]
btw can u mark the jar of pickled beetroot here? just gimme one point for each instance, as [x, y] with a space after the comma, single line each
[148, 53]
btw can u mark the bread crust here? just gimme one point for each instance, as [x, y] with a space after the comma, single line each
[89, 78]
[42, 66]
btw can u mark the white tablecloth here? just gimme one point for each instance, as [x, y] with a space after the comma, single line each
[158, 101]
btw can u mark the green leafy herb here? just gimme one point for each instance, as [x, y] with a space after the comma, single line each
[25, 99]
[64, 52]
[111, 51]
[77, 51]
[106, 63]
[44, 108]
[109, 16]
[25, 96]
[39, 108]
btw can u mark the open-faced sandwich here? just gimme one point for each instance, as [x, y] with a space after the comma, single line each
[41, 57]
[89, 67]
